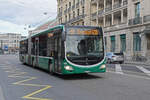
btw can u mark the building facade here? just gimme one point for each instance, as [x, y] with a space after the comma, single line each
[126, 23]
[10, 42]
[44, 26]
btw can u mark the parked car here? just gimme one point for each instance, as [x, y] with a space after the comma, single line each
[115, 57]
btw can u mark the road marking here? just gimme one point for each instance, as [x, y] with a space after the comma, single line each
[1, 94]
[15, 73]
[20, 82]
[118, 69]
[18, 74]
[29, 96]
[144, 70]
[129, 75]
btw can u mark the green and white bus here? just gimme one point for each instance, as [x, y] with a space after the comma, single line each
[66, 50]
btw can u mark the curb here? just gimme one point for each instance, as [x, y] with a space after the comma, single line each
[137, 63]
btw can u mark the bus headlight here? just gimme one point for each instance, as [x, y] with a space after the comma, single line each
[68, 68]
[103, 66]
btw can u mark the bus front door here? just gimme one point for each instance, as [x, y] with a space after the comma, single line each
[57, 55]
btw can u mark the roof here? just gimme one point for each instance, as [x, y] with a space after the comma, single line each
[45, 26]
[24, 39]
[48, 30]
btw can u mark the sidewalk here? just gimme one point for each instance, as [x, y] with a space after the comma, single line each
[138, 63]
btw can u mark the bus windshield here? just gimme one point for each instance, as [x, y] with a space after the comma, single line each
[84, 49]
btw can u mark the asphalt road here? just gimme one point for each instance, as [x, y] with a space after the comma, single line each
[121, 82]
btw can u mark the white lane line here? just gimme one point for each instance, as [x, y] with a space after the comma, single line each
[1, 94]
[118, 69]
[144, 70]
[129, 75]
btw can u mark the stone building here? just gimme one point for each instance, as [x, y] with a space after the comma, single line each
[126, 23]
[44, 26]
[10, 42]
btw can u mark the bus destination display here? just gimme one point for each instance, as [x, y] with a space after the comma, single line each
[83, 32]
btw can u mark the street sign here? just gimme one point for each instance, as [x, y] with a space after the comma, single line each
[6, 47]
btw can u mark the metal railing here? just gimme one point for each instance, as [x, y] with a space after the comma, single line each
[65, 11]
[125, 2]
[139, 20]
[117, 5]
[94, 15]
[77, 5]
[73, 7]
[108, 8]
[69, 9]
[82, 2]
[146, 19]
[135, 21]
[100, 12]
[94, 1]
[60, 14]
[76, 18]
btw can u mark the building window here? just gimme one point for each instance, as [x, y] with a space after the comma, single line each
[123, 42]
[69, 16]
[136, 42]
[66, 6]
[83, 10]
[74, 2]
[66, 18]
[59, 10]
[137, 9]
[112, 43]
[83, 23]
[78, 12]
[73, 14]
[69, 4]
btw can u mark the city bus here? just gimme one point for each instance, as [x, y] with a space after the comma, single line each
[66, 50]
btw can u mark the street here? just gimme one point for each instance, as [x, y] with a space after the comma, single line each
[120, 82]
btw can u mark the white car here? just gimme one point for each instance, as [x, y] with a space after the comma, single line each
[115, 57]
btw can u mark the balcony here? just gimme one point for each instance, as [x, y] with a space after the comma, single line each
[69, 9]
[135, 21]
[60, 14]
[94, 2]
[73, 7]
[77, 5]
[146, 19]
[76, 18]
[115, 27]
[100, 12]
[117, 5]
[125, 2]
[65, 11]
[82, 2]
[109, 8]
[94, 15]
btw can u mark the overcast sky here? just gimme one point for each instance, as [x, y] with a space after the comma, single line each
[15, 15]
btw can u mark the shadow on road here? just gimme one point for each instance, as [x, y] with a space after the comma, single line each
[69, 77]
[78, 76]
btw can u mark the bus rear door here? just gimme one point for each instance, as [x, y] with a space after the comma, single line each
[37, 50]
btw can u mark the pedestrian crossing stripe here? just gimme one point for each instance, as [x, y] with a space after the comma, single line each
[144, 70]
[118, 69]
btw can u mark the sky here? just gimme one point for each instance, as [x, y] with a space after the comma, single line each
[17, 15]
